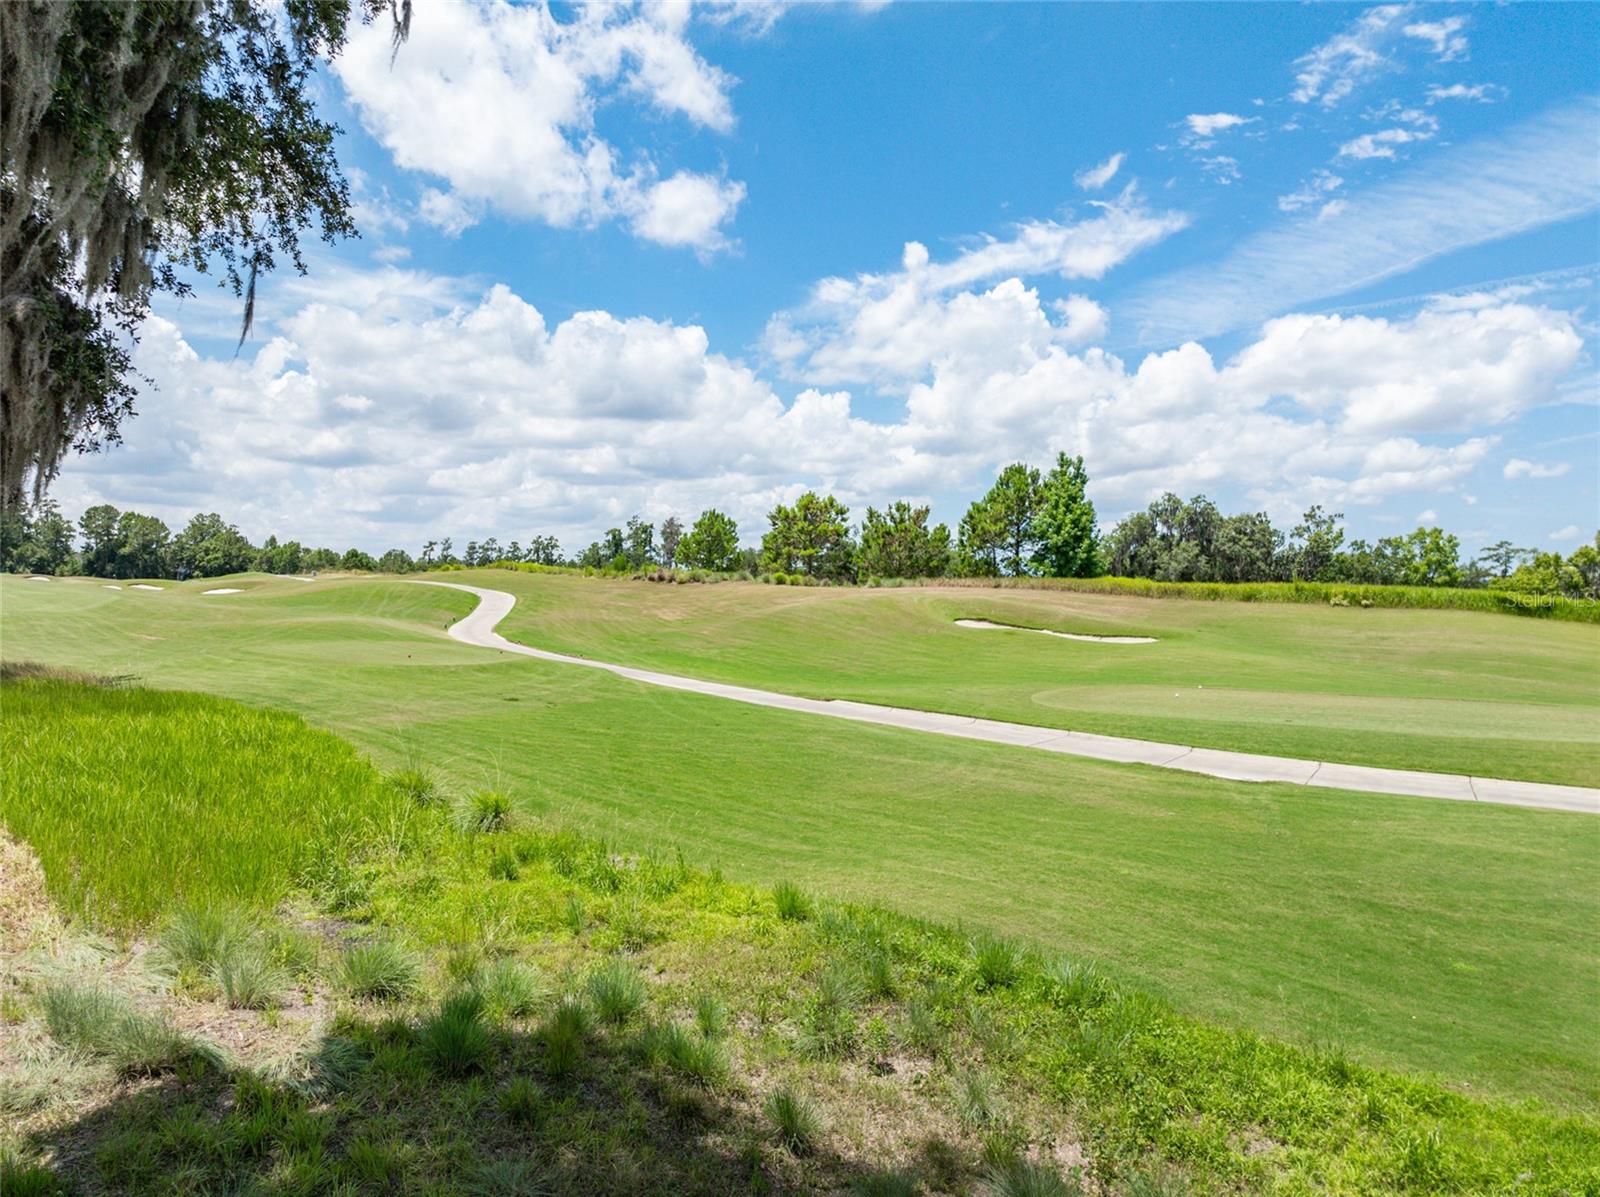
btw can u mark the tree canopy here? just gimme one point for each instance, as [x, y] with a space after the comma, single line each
[713, 543]
[897, 543]
[810, 538]
[140, 141]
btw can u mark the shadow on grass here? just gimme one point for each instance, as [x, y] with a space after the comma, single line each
[372, 1110]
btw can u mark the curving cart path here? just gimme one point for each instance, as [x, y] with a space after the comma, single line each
[494, 605]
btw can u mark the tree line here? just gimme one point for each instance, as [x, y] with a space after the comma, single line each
[1030, 522]
[108, 543]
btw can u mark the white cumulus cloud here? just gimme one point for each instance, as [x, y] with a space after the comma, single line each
[1518, 467]
[542, 80]
[885, 328]
[392, 405]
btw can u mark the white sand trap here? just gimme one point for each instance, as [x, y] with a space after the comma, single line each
[1006, 627]
[145, 586]
[224, 590]
[109, 586]
[40, 578]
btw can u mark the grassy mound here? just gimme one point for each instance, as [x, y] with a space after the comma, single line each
[511, 1006]
[135, 798]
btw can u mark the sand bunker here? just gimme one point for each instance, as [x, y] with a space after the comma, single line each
[1006, 627]
[109, 586]
[40, 578]
[224, 590]
[145, 586]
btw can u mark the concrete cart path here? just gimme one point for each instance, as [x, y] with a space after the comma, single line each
[478, 628]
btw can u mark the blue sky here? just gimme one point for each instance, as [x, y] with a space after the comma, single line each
[658, 259]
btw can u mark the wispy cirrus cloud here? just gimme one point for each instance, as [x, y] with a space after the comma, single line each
[1539, 172]
[1482, 93]
[1095, 177]
[1443, 37]
[1331, 71]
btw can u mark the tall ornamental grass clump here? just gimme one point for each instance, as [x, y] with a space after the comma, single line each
[134, 799]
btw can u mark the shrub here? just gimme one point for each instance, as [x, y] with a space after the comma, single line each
[509, 987]
[382, 970]
[793, 903]
[483, 811]
[250, 979]
[997, 962]
[416, 783]
[454, 1040]
[1024, 1179]
[795, 1119]
[617, 991]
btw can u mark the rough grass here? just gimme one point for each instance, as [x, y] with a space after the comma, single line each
[455, 1040]
[105, 1024]
[424, 1095]
[112, 786]
[616, 991]
[382, 970]
[510, 988]
[795, 1119]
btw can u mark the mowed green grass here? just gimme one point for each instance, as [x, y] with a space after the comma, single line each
[1446, 691]
[1448, 938]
